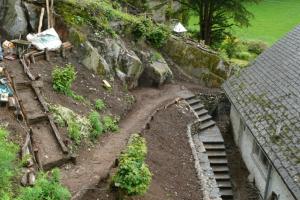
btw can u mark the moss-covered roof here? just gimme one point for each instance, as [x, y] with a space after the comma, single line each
[267, 96]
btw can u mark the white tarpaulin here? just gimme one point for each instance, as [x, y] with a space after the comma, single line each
[179, 28]
[47, 39]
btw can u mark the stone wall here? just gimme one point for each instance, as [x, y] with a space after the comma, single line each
[197, 61]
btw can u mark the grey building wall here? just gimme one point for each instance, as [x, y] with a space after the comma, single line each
[245, 141]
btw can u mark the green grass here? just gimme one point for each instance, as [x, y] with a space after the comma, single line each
[272, 20]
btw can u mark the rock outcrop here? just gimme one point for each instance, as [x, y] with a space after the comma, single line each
[12, 18]
[157, 72]
[197, 61]
[116, 59]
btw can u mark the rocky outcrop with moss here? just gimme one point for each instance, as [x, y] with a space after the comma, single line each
[197, 61]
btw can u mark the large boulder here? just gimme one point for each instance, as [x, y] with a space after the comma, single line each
[12, 18]
[32, 12]
[157, 72]
[94, 61]
[130, 64]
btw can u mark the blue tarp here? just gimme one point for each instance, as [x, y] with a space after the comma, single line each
[4, 88]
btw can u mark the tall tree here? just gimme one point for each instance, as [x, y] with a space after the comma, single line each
[217, 16]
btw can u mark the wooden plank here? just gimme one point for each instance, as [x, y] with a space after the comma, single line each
[27, 70]
[57, 135]
[40, 98]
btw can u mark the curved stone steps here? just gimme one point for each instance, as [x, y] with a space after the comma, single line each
[213, 142]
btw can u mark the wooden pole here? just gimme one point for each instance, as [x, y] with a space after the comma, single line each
[48, 14]
[41, 20]
[52, 12]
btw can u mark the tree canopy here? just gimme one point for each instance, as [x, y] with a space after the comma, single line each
[217, 16]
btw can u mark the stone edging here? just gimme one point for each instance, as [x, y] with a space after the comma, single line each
[204, 172]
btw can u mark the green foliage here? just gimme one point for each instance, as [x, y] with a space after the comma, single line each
[8, 156]
[97, 127]
[243, 55]
[158, 36]
[218, 17]
[78, 127]
[110, 124]
[63, 78]
[99, 105]
[74, 131]
[256, 47]
[230, 45]
[133, 175]
[47, 187]
[98, 14]
[154, 34]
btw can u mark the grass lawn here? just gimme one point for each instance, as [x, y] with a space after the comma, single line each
[272, 19]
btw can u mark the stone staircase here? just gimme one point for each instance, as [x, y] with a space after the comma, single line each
[213, 142]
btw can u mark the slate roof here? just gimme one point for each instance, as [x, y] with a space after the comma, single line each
[267, 96]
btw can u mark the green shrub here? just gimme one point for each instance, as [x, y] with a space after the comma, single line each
[158, 36]
[74, 131]
[99, 104]
[97, 127]
[47, 187]
[63, 78]
[256, 47]
[244, 55]
[8, 156]
[133, 176]
[139, 30]
[110, 124]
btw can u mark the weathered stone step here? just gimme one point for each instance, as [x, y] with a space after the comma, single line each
[197, 107]
[190, 97]
[224, 184]
[224, 176]
[207, 125]
[220, 168]
[193, 101]
[201, 112]
[36, 117]
[218, 161]
[226, 193]
[214, 146]
[216, 153]
[204, 118]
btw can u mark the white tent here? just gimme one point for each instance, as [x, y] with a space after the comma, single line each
[179, 28]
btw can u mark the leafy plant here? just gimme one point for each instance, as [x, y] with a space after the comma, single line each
[97, 127]
[256, 47]
[74, 131]
[99, 104]
[133, 176]
[157, 36]
[63, 78]
[47, 187]
[110, 123]
[8, 156]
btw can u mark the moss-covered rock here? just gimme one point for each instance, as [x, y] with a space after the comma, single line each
[94, 61]
[196, 61]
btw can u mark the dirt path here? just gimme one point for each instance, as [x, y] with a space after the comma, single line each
[95, 164]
